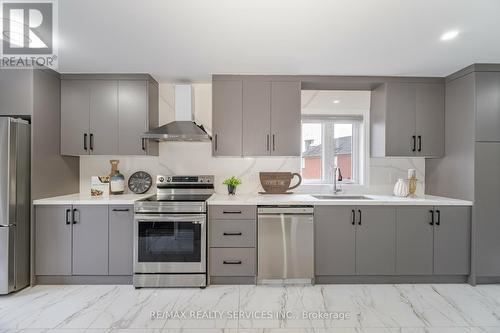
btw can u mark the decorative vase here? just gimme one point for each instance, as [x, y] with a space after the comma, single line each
[401, 189]
[231, 189]
[117, 180]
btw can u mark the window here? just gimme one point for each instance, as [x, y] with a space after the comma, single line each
[330, 142]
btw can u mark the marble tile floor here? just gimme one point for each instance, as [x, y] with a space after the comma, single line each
[405, 308]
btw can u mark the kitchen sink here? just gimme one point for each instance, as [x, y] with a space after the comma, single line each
[340, 197]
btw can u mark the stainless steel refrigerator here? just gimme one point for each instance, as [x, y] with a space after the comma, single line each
[15, 204]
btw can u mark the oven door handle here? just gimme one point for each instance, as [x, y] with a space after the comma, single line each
[195, 219]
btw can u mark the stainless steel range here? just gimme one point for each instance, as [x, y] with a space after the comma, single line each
[170, 233]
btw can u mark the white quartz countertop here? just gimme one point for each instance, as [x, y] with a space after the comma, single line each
[307, 199]
[261, 199]
[85, 199]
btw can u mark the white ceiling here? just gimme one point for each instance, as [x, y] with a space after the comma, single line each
[188, 40]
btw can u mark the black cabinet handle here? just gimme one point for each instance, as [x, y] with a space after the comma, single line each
[231, 212]
[232, 262]
[439, 217]
[73, 216]
[432, 217]
[274, 143]
[121, 210]
[85, 141]
[419, 143]
[353, 217]
[414, 144]
[143, 144]
[67, 216]
[359, 221]
[267, 142]
[215, 142]
[91, 141]
[232, 233]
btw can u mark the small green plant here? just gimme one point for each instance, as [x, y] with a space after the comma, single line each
[233, 181]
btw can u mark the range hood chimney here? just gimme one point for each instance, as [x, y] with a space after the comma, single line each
[183, 128]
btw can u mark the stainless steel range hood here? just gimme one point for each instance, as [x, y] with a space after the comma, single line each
[183, 128]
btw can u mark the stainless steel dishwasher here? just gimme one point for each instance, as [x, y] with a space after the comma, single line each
[285, 244]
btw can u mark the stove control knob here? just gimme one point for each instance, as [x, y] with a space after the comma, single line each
[169, 180]
[161, 179]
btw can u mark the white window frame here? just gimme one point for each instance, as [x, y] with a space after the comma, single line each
[327, 160]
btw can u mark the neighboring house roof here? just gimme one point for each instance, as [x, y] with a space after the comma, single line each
[343, 145]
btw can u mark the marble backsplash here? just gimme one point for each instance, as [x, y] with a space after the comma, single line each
[196, 158]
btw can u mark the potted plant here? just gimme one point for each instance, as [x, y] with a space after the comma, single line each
[231, 184]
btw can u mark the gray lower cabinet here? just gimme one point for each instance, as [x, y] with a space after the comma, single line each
[414, 240]
[121, 233]
[107, 114]
[232, 240]
[354, 240]
[227, 118]
[53, 240]
[403, 240]
[375, 240]
[90, 240]
[84, 240]
[452, 240]
[232, 262]
[334, 240]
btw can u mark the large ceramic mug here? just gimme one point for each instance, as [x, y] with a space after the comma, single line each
[278, 182]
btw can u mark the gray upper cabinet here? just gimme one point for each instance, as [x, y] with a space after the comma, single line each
[285, 118]
[227, 118]
[488, 106]
[134, 117]
[400, 119]
[407, 119]
[452, 240]
[75, 117]
[90, 240]
[335, 240]
[103, 138]
[256, 118]
[414, 240]
[121, 230]
[53, 240]
[430, 119]
[107, 114]
[376, 240]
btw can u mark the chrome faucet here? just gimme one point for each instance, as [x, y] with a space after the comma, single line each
[336, 189]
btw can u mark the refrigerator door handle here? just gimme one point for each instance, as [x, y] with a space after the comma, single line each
[8, 225]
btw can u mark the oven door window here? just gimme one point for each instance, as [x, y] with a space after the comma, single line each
[169, 242]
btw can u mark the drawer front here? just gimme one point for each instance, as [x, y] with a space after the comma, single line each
[233, 212]
[232, 261]
[232, 233]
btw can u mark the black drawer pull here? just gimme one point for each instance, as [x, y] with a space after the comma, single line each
[67, 216]
[439, 217]
[121, 210]
[231, 212]
[359, 211]
[232, 233]
[414, 143]
[73, 216]
[232, 262]
[432, 217]
[353, 217]
[419, 143]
